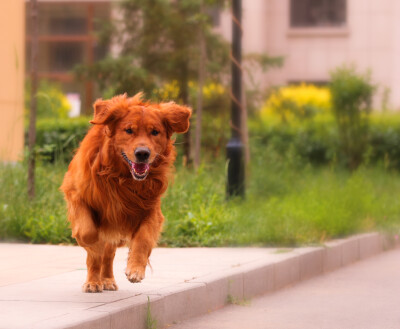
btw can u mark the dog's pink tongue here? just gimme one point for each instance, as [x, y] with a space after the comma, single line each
[140, 168]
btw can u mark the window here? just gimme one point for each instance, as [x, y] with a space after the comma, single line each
[67, 37]
[317, 13]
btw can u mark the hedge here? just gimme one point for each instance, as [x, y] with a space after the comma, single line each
[57, 139]
[314, 142]
[318, 142]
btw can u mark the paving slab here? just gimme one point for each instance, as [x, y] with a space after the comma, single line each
[40, 285]
[364, 295]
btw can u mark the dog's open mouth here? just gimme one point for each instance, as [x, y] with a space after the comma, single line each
[139, 171]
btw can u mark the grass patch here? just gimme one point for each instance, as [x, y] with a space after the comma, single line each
[236, 301]
[151, 322]
[40, 221]
[287, 204]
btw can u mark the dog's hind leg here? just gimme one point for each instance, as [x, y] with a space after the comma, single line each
[107, 274]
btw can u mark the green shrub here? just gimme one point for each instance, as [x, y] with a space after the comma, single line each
[384, 141]
[42, 220]
[216, 106]
[286, 204]
[58, 138]
[51, 102]
[351, 99]
[318, 143]
[311, 142]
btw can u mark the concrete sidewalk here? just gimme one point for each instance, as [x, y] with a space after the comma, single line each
[40, 286]
[364, 295]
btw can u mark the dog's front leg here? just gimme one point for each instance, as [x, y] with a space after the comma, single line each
[94, 262]
[141, 246]
[86, 234]
[107, 274]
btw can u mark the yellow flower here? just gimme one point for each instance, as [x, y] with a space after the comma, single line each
[291, 102]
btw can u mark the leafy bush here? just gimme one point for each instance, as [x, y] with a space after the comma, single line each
[216, 115]
[287, 204]
[296, 102]
[318, 142]
[42, 220]
[51, 102]
[311, 142]
[351, 99]
[216, 106]
[117, 76]
[58, 138]
[168, 91]
[384, 141]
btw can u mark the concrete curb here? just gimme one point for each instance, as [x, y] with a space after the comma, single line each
[201, 295]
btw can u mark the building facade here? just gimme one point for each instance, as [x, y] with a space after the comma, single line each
[316, 36]
[68, 36]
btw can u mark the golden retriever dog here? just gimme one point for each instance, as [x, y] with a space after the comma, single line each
[115, 181]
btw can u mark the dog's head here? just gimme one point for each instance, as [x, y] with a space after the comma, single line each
[141, 131]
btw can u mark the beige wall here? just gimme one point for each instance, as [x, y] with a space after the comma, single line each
[371, 40]
[396, 58]
[12, 57]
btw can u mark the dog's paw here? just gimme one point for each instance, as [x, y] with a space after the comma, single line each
[135, 274]
[92, 286]
[110, 284]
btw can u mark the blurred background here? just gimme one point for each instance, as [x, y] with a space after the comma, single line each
[320, 119]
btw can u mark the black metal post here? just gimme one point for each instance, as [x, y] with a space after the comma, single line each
[234, 148]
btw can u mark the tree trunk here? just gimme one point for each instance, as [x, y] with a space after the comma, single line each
[33, 105]
[199, 110]
[184, 96]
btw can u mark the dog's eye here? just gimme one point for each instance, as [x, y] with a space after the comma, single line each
[129, 131]
[155, 132]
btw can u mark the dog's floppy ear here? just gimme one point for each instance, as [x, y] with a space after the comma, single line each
[102, 113]
[106, 111]
[176, 117]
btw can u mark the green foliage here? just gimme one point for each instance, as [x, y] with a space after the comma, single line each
[57, 139]
[159, 44]
[216, 114]
[40, 221]
[51, 102]
[117, 76]
[351, 97]
[193, 209]
[288, 203]
[215, 134]
[312, 142]
[318, 142]
[384, 141]
[253, 64]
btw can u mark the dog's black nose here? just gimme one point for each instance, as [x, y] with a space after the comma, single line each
[142, 154]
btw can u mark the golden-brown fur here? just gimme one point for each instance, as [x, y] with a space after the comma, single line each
[107, 207]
